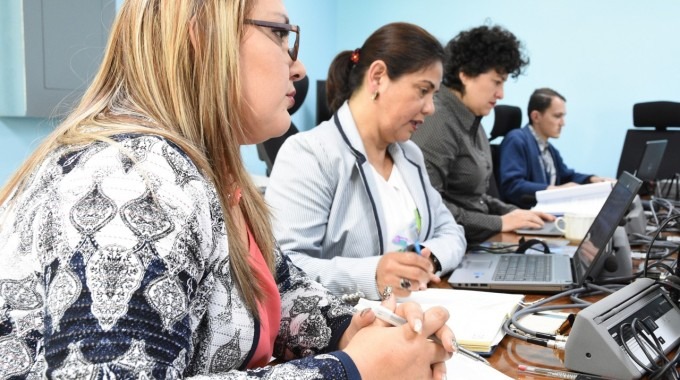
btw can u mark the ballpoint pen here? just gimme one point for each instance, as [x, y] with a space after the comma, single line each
[416, 246]
[385, 314]
[557, 374]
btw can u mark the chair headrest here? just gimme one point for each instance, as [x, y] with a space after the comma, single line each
[301, 88]
[323, 113]
[507, 118]
[656, 114]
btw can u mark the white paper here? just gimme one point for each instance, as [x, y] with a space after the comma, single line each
[465, 368]
[582, 199]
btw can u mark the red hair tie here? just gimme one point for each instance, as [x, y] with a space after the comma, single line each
[354, 57]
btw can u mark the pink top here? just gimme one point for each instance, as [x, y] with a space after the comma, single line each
[270, 310]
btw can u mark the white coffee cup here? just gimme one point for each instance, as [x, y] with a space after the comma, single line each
[574, 226]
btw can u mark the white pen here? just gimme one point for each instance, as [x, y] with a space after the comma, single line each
[385, 314]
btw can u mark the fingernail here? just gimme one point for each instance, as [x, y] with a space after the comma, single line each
[455, 345]
[418, 326]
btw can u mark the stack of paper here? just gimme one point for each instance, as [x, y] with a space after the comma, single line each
[548, 321]
[582, 199]
[476, 318]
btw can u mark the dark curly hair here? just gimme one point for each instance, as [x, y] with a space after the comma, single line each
[405, 48]
[478, 50]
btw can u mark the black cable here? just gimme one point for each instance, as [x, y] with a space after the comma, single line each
[542, 339]
[668, 367]
[628, 350]
[656, 234]
[639, 338]
[501, 248]
[649, 349]
[523, 246]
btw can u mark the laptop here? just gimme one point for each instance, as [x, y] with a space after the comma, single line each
[651, 160]
[488, 271]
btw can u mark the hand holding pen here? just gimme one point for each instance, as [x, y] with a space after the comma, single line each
[411, 353]
[384, 314]
[405, 272]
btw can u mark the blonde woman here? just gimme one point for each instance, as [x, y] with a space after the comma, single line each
[133, 244]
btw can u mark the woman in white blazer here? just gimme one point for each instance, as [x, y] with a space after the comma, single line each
[351, 199]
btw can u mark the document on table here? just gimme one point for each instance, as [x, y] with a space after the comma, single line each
[583, 199]
[475, 317]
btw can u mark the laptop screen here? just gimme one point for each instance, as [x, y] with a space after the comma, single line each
[651, 160]
[588, 260]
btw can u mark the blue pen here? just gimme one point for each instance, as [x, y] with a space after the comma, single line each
[416, 245]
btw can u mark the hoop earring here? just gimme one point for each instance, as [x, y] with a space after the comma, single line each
[375, 96]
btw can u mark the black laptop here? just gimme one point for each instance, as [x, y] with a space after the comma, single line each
[651, 160]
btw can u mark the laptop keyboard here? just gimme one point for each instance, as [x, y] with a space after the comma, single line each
[523, 268]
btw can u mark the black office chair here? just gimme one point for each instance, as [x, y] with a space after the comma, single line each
[268, 150]
[506, 119]
[323, 112]
[660, 116]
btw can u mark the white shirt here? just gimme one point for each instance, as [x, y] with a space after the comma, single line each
[401, 213]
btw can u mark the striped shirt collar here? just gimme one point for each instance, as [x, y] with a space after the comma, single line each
[542, 144]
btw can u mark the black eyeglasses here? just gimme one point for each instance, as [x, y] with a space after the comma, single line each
[283, 32]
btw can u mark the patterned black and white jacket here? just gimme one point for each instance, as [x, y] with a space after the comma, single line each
[116, 265]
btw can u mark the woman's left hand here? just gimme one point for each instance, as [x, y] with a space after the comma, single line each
[360, 320]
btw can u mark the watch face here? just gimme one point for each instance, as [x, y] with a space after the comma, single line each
[436, 263]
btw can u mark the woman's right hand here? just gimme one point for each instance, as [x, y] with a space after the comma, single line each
[519, 218]
[395, 266]
[381, 351]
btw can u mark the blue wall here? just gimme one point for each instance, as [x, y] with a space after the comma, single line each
[603, 56]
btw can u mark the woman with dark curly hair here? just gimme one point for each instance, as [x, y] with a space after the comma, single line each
[457, 153]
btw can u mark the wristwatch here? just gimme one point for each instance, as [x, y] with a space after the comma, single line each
[435, 262]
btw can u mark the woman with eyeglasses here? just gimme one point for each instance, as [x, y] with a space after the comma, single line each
[351, 200]
[134, 245]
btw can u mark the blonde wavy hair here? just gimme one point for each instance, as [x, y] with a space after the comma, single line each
[153, 80]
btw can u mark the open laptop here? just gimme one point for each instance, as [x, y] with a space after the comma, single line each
[651, 160]
[484, 271]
